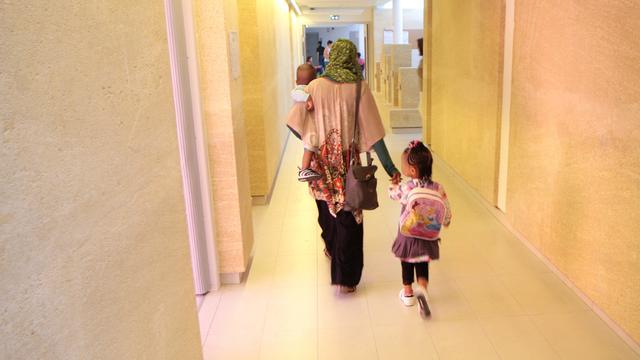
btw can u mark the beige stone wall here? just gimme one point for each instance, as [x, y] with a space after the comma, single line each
[574, 169]
[573, 180]
[267, 79]
[252, 96]
[427, 71]
[465, 88]
[221, 95]
[94, 259]
[277, 76]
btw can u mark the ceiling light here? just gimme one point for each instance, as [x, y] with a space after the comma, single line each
[295, 7]
[334, 17]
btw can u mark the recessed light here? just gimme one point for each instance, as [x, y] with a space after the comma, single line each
[334, 17]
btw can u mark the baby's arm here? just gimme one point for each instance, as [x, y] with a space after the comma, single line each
[309, 105]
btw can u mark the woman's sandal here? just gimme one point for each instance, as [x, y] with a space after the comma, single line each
[347, 289]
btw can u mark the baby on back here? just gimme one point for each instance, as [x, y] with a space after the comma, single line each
[304, 75]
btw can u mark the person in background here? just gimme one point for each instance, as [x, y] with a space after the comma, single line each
[327, 52]
[320, 51]
[361, 63]
[420, 64]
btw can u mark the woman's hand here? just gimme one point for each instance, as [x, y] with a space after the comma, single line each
[396, 179]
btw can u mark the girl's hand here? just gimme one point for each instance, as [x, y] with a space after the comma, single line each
[396, 179]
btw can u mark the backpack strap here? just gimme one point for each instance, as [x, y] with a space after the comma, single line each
[419, 192]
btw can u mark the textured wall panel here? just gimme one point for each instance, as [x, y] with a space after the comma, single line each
[574, 158]
[94, 259]
[224, 117]
[466, 88]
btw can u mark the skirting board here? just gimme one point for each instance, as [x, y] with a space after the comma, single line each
[260, 200]
[235, 278]
[500, 216]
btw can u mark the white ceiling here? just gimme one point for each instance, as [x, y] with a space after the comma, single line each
[341, 4]
[345, 7]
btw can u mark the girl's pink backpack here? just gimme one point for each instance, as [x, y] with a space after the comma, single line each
[424, 214]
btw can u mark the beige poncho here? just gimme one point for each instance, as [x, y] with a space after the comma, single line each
[328, 131]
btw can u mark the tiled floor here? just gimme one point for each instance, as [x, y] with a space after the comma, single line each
[491, 297]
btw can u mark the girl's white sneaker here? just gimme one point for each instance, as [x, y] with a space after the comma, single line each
[422, 298]
[407, 300]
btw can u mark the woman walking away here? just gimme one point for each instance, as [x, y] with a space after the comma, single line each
[425, 209]
[330, 132]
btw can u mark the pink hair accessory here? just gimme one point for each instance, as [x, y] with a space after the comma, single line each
[414, 143]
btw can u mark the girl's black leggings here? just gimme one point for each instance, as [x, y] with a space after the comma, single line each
[421, 269]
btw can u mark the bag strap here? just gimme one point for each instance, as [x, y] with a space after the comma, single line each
[355, 125]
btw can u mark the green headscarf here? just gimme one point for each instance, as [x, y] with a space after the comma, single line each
[343, 66]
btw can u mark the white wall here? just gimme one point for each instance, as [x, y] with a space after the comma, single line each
[413, 19]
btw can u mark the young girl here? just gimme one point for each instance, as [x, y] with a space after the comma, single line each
[415, 254]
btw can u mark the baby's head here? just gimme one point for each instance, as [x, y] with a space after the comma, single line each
[305, 74]
[417, 161]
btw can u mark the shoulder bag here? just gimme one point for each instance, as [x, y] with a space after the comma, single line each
[360, 191]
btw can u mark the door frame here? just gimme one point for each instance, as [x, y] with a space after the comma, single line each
[192, 143]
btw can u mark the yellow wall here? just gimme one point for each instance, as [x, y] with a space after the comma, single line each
[573, 176]
[252, 96]
[221, 95]
[427, 61]
[94, 259]
[466, 88]
[267, 81]
[574, 169]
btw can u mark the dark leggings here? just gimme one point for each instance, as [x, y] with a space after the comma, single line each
[421, 269]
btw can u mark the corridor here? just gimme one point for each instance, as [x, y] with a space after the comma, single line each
[491, 297]
[140, 138]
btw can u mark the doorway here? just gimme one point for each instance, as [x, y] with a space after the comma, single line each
[316, 38]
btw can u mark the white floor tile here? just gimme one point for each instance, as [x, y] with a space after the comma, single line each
[342, 310]
[518, 338]
[461, 340]
[582, 336]
[232, 344]
[488, 297]
[348, 343]
[292, 309]
[404, 342]
[206, 313]
[295, 344]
